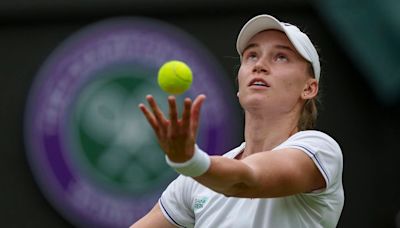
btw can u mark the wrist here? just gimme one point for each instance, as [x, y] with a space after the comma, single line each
[196, 166]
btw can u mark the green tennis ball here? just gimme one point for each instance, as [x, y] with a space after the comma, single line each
[175, 77]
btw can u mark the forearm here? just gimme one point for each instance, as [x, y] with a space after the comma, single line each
[224, 175]
[228, 176]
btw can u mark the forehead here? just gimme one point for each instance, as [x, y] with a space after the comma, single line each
[271, 36]
[272, 39]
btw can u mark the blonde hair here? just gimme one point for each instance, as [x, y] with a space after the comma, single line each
[309, 113]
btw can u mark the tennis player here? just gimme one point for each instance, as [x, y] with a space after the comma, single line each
[285, 174]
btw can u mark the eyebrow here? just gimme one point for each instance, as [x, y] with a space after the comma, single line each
[285, 47]
[251, 45]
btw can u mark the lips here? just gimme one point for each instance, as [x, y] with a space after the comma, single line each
[258, 82]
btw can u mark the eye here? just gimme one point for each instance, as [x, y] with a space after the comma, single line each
[281, 58]
[251, 56]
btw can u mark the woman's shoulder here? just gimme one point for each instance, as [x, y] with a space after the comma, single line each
[312, 134]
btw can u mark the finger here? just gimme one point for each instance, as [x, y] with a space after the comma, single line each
[158, 114]
[173, 112]
[150, 118]
[186, 114]
[195, 112]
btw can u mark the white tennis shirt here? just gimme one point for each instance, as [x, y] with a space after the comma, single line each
[186, 203]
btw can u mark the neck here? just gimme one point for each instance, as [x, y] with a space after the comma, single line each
[264, 132]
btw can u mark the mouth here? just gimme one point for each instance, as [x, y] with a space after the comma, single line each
[258, 82]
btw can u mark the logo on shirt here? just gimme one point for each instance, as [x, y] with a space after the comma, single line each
[199, 202]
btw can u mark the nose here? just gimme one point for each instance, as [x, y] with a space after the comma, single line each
[260, 67]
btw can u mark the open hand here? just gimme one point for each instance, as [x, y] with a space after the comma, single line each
[175, 136]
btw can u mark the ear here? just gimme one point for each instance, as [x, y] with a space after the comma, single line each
[310, 89]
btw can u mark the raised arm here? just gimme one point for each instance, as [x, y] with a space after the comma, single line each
[264, 174]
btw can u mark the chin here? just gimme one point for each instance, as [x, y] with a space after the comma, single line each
[253, 101]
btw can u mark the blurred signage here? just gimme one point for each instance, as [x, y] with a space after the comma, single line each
[92, 152]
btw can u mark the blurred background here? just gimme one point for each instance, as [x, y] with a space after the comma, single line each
[359, 47]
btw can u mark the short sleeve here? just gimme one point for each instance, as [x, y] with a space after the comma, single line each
[323, 150]
[175, 202]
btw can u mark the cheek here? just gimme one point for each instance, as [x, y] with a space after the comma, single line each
[294, 79]
[240, 77]
[292, 87]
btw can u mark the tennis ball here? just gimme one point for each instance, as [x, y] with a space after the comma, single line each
[175, 77]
